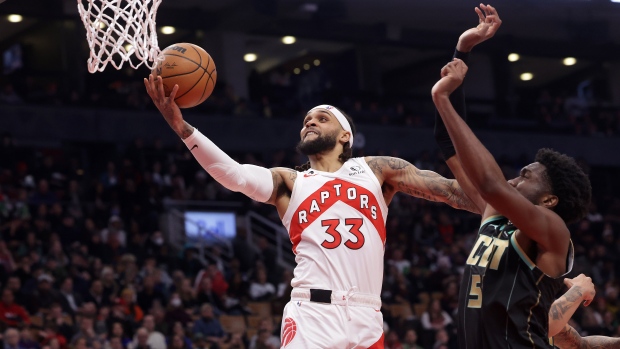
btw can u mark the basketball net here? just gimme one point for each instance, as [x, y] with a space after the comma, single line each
[116, 30]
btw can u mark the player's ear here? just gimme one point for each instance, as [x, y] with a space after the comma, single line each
[345, 136]
[549, 201]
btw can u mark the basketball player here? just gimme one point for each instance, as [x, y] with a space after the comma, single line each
[523, 249]
[334, 210]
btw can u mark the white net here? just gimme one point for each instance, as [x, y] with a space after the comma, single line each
[120, 31]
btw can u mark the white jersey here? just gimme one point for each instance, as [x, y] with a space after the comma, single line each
[336, 222]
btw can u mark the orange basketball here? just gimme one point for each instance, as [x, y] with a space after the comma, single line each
[190, 67]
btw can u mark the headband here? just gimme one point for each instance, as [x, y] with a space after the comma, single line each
[341, 119]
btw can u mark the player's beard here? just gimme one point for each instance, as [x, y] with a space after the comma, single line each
[320, 144]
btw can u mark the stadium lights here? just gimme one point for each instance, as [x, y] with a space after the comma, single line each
[296, 71]
[288, 40]
[306, 66]
[167, 30]
[513, 57]
[128, 47]
[15, 18]
[570, 60]
[250, 57]
[527, 76]
[317, 62]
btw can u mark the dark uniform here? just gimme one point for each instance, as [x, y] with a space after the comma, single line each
[504, 298]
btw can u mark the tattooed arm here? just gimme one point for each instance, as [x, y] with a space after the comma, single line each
[569, 338]
[398, 175]
[581, 289]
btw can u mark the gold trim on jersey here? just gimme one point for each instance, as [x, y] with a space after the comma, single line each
[522, 254]
[529, 318]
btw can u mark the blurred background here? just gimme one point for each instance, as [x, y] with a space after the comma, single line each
[113, 236]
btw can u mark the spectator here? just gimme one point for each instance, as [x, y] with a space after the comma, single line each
[69, 300]
[141, 341]
[179, 330]
[209, 326]
[156, 339]
[12, 314]
[392, 341]
[11, 339]
[411, 340]
[118, 331]
[150, 294]
[95, 294]
[176, 312]
[130, 307]
[434, 318]
[114, 235]
[267, 338]
[260, 289]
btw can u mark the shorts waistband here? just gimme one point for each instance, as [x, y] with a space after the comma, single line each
[345, 298]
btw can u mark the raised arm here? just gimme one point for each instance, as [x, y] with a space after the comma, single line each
[258, 183]
[581, 289]
[569, 338]
[467, 41]
[399, 175]
[538, 223]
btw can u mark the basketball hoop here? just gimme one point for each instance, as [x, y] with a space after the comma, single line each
[116, 30]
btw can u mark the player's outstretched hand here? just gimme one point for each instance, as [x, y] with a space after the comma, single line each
[166, 105]
[452, 75]
[586, 287]
[488, 24]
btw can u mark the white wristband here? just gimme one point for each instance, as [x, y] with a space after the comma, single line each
[254, 181]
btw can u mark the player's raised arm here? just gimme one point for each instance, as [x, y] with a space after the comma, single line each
[537, 222]
[485, 30]
[399, 175]
[581, 290]
[258, 183]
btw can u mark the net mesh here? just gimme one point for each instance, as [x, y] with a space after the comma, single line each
[120, 31]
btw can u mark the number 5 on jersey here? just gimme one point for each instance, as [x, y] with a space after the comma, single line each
[353, 224]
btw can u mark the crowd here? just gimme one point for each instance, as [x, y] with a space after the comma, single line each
[85, 264]
[280, 94]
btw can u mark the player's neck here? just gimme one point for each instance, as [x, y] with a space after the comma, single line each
[325, 162]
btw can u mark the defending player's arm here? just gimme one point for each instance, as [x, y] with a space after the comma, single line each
[581, 289]
[467, 41]
[536, 222]
[258, 183]
[399, 175]
[569, 338]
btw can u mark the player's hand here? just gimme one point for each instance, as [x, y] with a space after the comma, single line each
[488, 24]
[586, 287]
[452, 75]
[166, 105]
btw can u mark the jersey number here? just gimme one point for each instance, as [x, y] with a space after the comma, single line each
[476, 291]
[354, 225]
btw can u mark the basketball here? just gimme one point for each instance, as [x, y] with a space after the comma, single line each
[190, 67]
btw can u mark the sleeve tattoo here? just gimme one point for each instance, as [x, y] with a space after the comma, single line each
[427, 185]
[559, 307]
[570, 339]
[279, 184]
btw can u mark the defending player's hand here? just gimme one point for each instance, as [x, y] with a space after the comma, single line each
[166, 105]
[452, 75]
[488, 24]
[586, 287]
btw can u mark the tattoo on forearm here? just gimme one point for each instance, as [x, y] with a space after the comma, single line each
[423, 184]
[558, 309]
[572, 340]
[574, 294]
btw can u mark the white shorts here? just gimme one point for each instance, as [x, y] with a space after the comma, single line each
[313, 325]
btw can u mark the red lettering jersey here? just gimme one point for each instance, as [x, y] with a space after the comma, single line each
[336, 222]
